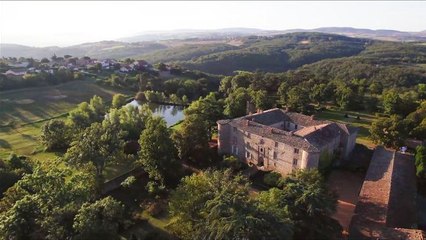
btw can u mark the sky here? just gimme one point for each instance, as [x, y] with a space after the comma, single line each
[67, 23]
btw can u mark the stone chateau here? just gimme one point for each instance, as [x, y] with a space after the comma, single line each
[281, 141]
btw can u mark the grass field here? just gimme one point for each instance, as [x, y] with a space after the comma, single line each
[24, 111]
[363, 123]
[34, 104]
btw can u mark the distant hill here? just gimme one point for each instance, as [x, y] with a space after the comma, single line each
[381, 34]
[191, 41]
[188, 34]
[274, 53]
[104, 49]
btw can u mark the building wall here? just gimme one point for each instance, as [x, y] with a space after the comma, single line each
[276, 156]
[223, 143]
[253, 149]
[350, 145]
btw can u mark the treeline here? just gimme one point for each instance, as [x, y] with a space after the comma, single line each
[43, 78]
[181, 86]
[303, 91]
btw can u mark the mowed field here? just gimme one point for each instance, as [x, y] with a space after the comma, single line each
[24, 111]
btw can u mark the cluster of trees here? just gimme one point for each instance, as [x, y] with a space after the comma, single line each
[217, 205]
[58, 204]
[99, 139]
[197, 128]
[186, 84]
[12, 169]
[43, 78]
[392, 131]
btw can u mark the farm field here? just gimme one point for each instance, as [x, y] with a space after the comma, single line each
[24, 111]
[35, 104]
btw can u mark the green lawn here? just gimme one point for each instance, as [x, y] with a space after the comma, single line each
[34, 104]
[177, 126]
[363, 123]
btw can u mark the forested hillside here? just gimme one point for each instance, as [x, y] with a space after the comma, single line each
[278, 53]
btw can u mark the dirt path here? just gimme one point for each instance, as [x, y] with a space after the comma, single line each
[347, 185]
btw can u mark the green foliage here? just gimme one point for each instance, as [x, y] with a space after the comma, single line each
[130, 119]
[216, 205]
[87, 113]
[261, 99]
[157, 153]
[420, 162]
[55, 135]
[298, 99]
[233, 163]
[346, 97]
[306, 200]
[99, 220]
[99, 144]
[118, 100]
[388, 131]
[272, 179]
[208, 108]
[128, 182]
[236, 103]
[43, 78]
[392, 103]
[41, 205]
[275, 53]
[12, 170]
[192, 138]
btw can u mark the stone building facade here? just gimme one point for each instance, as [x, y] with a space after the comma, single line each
[281, 141]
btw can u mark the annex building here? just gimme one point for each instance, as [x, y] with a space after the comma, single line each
[281, 141]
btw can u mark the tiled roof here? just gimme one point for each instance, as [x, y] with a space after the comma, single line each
[314, 135]
[303, 120]
[274, 134]
[320, 135]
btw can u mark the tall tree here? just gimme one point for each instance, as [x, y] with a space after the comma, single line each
[306, 200]
[99, 144]
[157, 153]
[216, 205]
[236, 103]
[388, 131]
[298, 99]
[208, 108]
[55, 135]
[391, 102]
[99, 220]
[118, 100]
[192, 138]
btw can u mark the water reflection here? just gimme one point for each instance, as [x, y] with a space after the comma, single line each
[172, 114]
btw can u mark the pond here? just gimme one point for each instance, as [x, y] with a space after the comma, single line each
[172, 114]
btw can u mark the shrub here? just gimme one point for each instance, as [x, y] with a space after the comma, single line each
[272, 179]
[140, 96]
[128, 182]
[233, 163]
